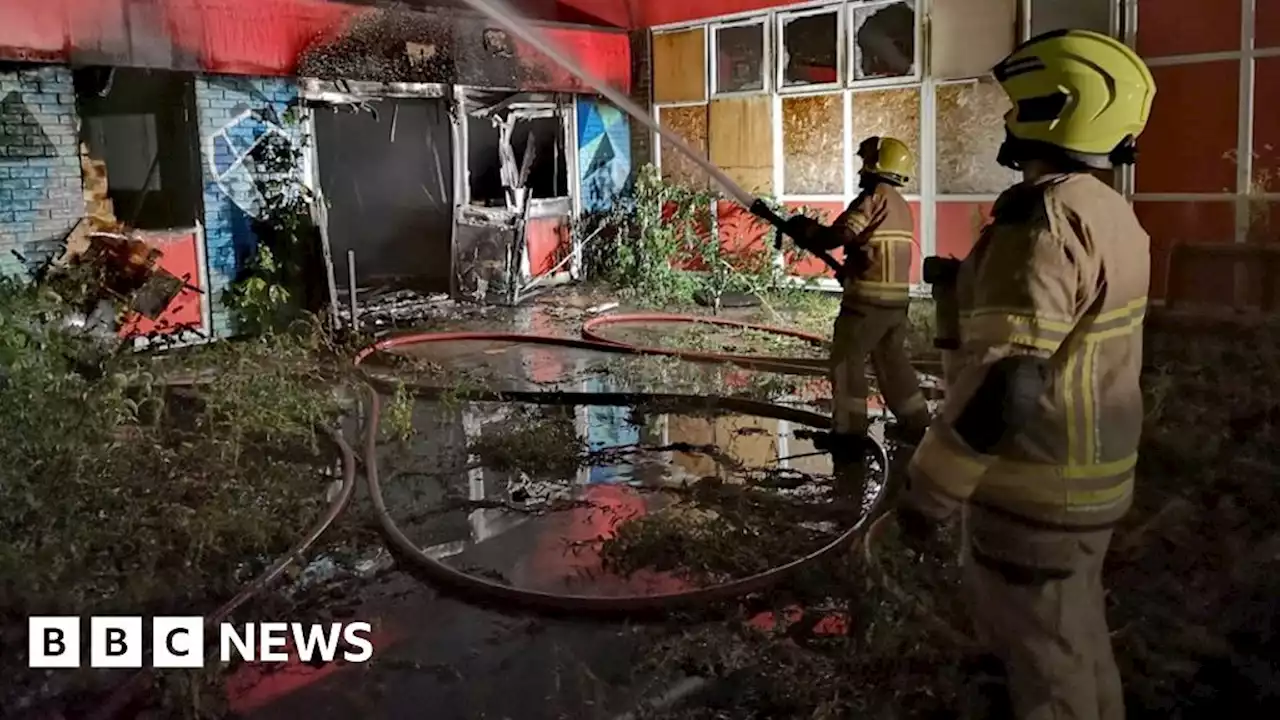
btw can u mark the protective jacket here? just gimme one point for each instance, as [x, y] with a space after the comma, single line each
[1061, 273]
[881, 221]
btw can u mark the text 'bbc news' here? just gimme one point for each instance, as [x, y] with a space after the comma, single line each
[179, 642]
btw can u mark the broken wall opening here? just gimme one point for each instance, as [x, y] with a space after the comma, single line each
[141, 125]
[500, 130]
[387, 175]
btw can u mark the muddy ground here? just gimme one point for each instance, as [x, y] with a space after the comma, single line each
[1192, 574]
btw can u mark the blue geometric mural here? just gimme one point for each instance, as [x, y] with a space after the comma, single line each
[604, 152]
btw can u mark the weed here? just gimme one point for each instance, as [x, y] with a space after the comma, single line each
[121, 492]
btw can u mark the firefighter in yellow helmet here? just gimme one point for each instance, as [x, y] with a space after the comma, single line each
[877, 232]
[1039, 432]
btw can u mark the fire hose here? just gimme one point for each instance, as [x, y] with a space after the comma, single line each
[488, 591]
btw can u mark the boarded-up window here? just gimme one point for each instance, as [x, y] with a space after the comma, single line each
[884, 40]
[810, 49]
[970, 131]
[690, 124]
[680, 66]
[890, 113]
[740, 58]
[741, 140]
[1050, 15]
[968, 37]
[813, 145]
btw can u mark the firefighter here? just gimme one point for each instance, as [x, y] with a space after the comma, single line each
[877, 232]
[1039, 432]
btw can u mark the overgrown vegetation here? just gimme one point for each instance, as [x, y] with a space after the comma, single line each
[134, 484]
[662, 246]
[271, 292]
[1192, 577]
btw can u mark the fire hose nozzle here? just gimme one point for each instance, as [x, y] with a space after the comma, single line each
[940, 270]
[761, 209]
[941, 273]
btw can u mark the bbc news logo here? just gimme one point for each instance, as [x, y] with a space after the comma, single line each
[179, 642]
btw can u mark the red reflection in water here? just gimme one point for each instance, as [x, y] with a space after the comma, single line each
[834, 623]
[567, 555]
[253, 686]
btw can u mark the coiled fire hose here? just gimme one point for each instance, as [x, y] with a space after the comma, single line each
[484, 590]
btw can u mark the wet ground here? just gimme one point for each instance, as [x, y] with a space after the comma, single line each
[529, 495]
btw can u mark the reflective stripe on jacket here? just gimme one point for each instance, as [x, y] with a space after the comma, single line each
[884, 228]
[1061, 273]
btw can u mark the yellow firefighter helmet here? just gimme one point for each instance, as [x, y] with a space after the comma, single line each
[886, 157]
[1082, 92]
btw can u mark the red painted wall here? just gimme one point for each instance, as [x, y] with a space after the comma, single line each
[548, 243]
[247, 37]
[181, 258]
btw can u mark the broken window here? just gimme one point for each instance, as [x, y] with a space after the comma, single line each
[137, 123]
[810, 49]
[539, 142]
[484, 163]
[739, 58]
[510, 149]
[968, 39]
[884, 40]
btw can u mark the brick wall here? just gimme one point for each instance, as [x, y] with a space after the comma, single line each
[641, 79]
[41, 196]
[234, 114]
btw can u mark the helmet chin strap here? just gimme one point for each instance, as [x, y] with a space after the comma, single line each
[1014, 153]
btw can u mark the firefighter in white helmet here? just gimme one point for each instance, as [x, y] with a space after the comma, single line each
[1039, 432]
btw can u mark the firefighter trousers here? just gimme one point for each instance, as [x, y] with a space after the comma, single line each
[863, 331]
[1049, 627]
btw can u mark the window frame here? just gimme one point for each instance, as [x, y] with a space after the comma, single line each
[713, 59]
[842, 51]
[851, 46]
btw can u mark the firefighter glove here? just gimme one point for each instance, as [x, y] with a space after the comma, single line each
[804, 230]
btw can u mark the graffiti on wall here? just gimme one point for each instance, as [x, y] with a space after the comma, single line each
[604, 153]
[229, 154]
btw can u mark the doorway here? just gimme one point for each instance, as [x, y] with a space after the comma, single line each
[387, 174]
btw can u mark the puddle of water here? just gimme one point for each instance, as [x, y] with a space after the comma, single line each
[529, 495]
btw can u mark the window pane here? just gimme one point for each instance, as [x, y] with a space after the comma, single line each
[890, 113]
[1049, 15]
[970, 131]
[967, 39]
[884, 40]
[690, 123]
[813, 145]
[740, 58]
[811, 50]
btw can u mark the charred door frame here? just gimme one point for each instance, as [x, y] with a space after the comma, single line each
[567, 206]
[314, 94]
